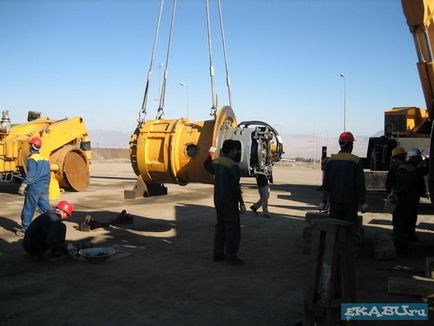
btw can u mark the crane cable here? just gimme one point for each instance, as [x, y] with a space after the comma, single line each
[160, 111]
[228, 82]
[211, 67]
[148, 81]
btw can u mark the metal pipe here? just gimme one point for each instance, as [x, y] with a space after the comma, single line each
[428, 45]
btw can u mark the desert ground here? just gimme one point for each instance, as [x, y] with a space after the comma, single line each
[163, 273]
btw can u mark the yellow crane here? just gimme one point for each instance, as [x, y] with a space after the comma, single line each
[65, 142]
[411, 127]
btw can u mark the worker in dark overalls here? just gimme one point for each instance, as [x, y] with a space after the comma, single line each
[344, 182]
[48, 232]
[415, 158]
[399, 155]
[343, 185]
[228, 202]
[405, 190]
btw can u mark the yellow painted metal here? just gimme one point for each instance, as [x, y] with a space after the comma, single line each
[420, 19]
[72, 168]
[55, 135]
[54, 188]
[413, 117]
[173, 151]
[419, 12]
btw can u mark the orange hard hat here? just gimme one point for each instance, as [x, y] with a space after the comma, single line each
[65, 206]
[346, 137]
[36, 141]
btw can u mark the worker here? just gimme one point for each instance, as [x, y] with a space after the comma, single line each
[228, 202]
[343, 184]
[262, 181]
[405, 192]
[35, 185]
[399, 155]
[415, 158]
[48, 232]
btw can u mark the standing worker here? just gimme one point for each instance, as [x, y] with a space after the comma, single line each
[47, 232]
[227, 197]
[405, 191]
[415, 158]
[35, 185]
[264, 194]
[344, 183]
[398, 156]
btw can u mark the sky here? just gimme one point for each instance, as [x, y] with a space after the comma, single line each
[91, 58]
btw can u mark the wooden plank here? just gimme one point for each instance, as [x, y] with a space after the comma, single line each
[415, 287]
[384, 248]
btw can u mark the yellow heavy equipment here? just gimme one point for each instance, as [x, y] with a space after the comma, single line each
[173, 151]
[411, 127]
[65, 142]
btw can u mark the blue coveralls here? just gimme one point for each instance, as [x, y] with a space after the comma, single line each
[37, 180]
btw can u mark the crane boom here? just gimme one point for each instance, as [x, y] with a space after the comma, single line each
[420, 19]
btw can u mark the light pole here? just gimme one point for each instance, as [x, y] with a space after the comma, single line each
[345, 100]
[188, 96]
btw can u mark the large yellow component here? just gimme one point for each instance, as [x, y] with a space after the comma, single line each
[405, 121]
[66, 144]
[420, 18]
[173, 151]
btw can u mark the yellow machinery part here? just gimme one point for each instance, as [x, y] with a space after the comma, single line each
[173, 151]
[406, 120]
[61, 141]
[73, 169]
[420, 18]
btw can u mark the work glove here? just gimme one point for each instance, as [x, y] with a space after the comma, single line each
[211, 151]
[22, 189]
[364, 208]
[323, 206]
[242, 208]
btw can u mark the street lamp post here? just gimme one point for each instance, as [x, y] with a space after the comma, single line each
[345, 100]
[188, 96]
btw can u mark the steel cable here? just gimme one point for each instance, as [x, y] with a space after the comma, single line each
[148, 81]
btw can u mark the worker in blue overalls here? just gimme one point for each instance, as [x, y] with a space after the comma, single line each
[35, 185]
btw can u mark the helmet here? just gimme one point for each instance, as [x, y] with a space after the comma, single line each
[36, 142]
[412, 152]
[397, 151]
[65, 206]
[346, 137]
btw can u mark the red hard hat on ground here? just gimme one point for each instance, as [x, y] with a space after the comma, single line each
[65, 206]
[346, 137]
[36, 141]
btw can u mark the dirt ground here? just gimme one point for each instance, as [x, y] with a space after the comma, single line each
[163, 273]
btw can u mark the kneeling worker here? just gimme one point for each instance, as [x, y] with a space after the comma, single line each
[48, 232]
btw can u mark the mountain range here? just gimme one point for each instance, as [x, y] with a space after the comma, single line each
[303, 146]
